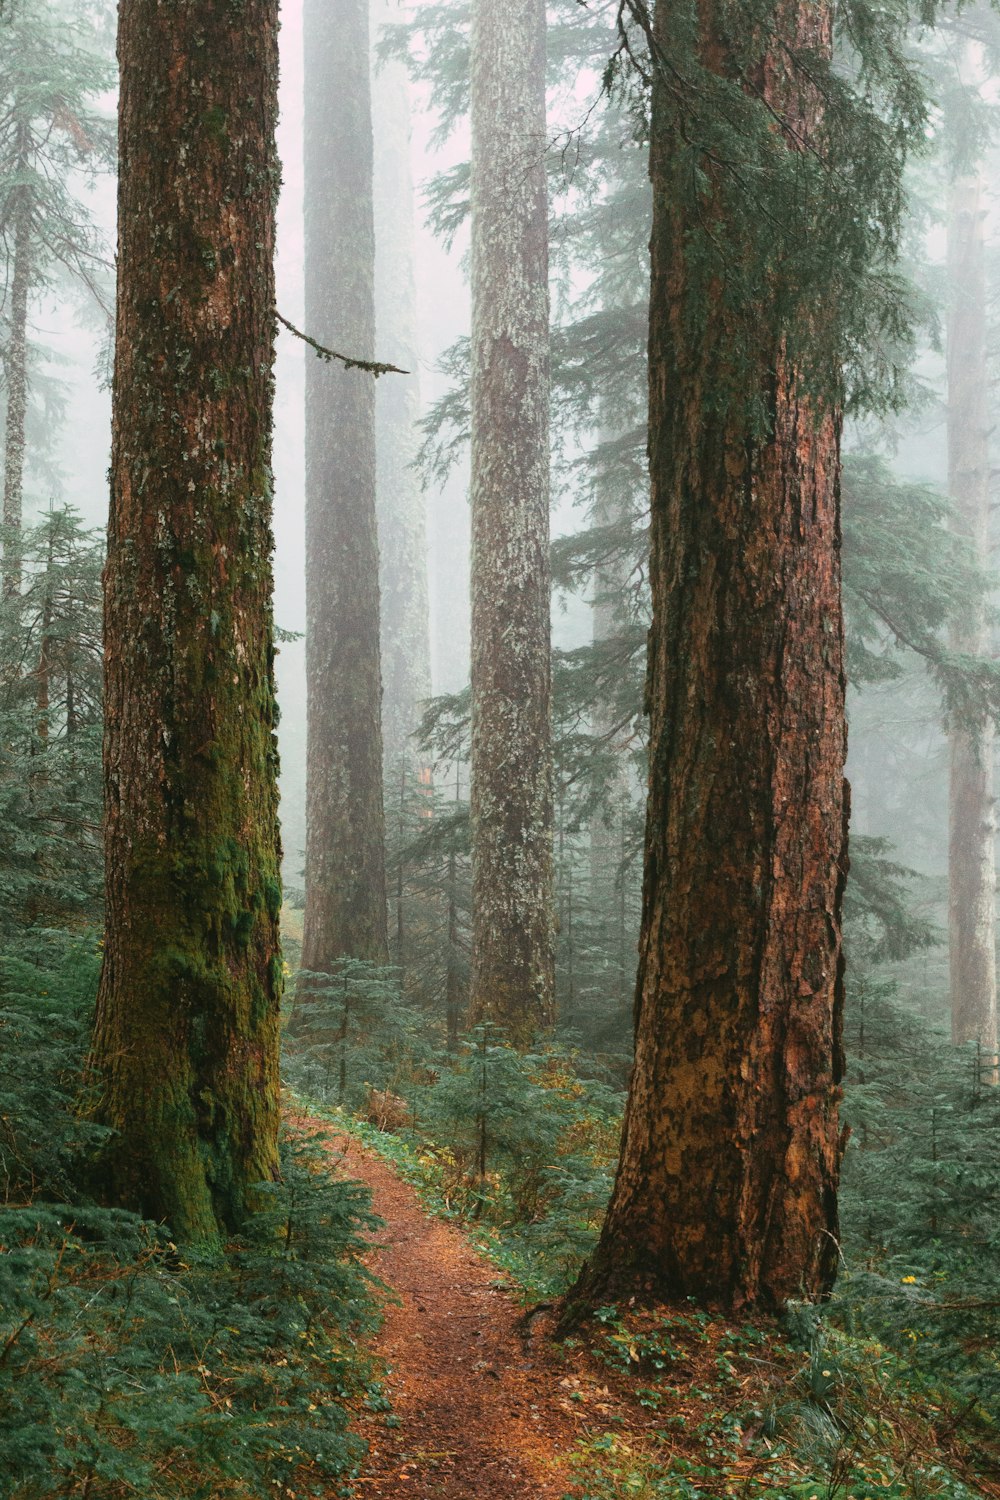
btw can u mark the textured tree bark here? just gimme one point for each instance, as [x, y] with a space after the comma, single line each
[972, 821]
[726, 1190]
[512, 894]
[185, 1052]
[17, 377]
[345, 911]
[402, 518]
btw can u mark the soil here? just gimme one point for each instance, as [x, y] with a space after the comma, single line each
[487, 1408]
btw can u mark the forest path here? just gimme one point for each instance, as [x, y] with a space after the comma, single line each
[487, 1410]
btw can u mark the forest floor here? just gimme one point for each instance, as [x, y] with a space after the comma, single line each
[486, 1407]
[483, 1404]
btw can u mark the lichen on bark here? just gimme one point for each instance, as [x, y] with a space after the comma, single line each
[512, 980]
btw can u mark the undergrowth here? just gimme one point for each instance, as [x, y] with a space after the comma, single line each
[891, 1391]
[129, 1367]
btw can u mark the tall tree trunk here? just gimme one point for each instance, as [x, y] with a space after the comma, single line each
[972, 823]
[20, 216]
[186, 1042]
[610, 579]
[512, 878]
[402, 518]
[726, 1190]
[345, 821]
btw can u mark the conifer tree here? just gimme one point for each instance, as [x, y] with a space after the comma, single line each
[51, 69]
[972, 822]
[345, 914]
[402, 520]
[185, 1051]
[512, 979]
[726, 1189]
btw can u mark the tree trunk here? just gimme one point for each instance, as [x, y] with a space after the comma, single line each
[512, 879]
[185, 1052]
[972, 824]
[610, 580]
[20, 215]
[726, 1190]
[345, 911]
[402, 519]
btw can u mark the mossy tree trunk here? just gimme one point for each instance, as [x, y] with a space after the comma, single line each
[345, 911]
[972, 820]
[512, 877]
[402, 518]
[726, 1190]
[18, 214]
[185, 1052]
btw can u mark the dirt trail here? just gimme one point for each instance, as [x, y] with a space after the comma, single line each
[486, 1411]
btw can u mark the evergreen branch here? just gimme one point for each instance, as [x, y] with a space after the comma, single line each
[348, 361]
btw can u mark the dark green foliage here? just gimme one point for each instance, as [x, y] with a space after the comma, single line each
[46, 1000]
[124, 1368]
[907, 577]
[920, 1198]
[352, 1033]
[879, 923]
[524, 1145]
[128, 1371]
[50, 730]
[54, 63]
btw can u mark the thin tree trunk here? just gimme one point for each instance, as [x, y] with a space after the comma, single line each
[972, 822]
[609, 589]
[726, 1190]
[512, 876]
[17, 377]
[185, 1052]
[345, 913]
[402, 518]
[44, 671]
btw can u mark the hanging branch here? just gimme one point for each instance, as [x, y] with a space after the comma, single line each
[347, 360]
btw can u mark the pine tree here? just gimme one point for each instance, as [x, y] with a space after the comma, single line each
[185, 1051]
[512, 945]
[345, 913]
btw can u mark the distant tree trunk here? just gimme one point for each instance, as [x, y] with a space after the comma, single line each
[610, 579]
[512, 891]
[972, 822]
[185, 1052]
[345, 913]
[19, 215]
[402, 519]
[726, 1190]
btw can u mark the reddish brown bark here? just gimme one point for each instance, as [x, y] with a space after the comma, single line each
[185, 1052]
[730, 1156]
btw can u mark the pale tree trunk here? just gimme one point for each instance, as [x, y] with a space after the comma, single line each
[512, 894]
[17, 378]
[345, 912]
[402, 519]
[185, 1051]
[726, 1189]
[972, 824]
[610, 579]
